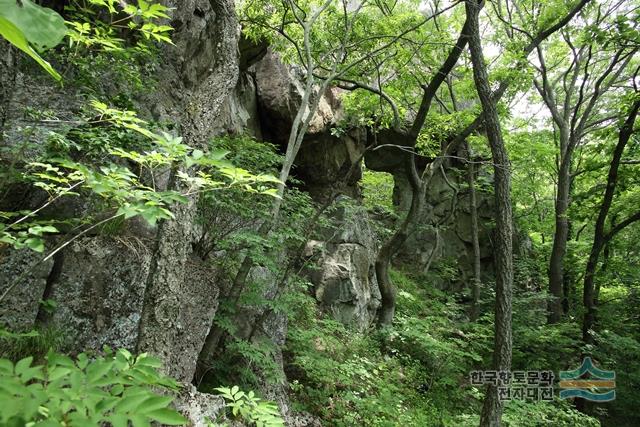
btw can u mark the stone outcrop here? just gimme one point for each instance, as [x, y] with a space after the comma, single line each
[198, 407]
[324, 158]
[145, 290]
[343, 271]
[441, 237]
[100, 291]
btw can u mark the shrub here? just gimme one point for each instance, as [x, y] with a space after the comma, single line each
[116, 388]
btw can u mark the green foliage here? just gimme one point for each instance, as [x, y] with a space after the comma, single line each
[561, 413]
[533, 176]
[377, 189]
[32, 29]
[519, 413]
[408, 375]
[230, 222]
[116, 388]
[250, 408]
[246, 362]
[617, 345]
[118, 188]
[416, 373]
[94, 26]
[90, 28]
[537, 345]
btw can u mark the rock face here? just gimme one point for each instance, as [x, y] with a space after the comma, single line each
[100, 289]
[145, 290]
[199, 407]
[324, 158]
[441, 238]
[19, 310]
[280, 89]
[343, 275]
[199, 72]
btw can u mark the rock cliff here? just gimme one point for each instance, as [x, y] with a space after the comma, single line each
[149, 290]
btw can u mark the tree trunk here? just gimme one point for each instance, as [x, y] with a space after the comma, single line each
[473, 211]
[600, 239]
[492, 407]
[561, 234]
[391, 246]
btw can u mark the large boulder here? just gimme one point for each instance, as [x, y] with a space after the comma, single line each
[280, 91]
[343, 275]
[441, 236]
[325, 156]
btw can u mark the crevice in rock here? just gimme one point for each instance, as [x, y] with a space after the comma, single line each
[44, 316]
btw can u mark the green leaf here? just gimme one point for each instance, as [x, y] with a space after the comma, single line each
[23, 365]
[118, 420]
[15, 37]
[167, 416]
[43, 27]
[31, 24]
[60, 360]
[35, 244]
[153, 403]
[129, 403]
[83, 360]
[98, 369]
[58, 372]
[139, 421]
[6, 366]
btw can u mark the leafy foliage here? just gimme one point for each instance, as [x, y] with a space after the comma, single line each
[404, 376]
[32, 29]
[377, 190]
[116, 388]
[36, 343]
[416, 373]
[250, 408]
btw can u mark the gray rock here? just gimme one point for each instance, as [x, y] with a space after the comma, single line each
[344, 272]
[198, 407]
[199, 73]
[450, 244]
[99, 292]
[19, 309]
[324, 158]
[280, 90]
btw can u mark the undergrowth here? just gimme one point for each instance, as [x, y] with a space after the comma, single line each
[415, 373]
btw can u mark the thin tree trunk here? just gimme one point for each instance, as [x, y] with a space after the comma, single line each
[560, 238]
[600, 238]
[473, 211]
[492, 407]
[605, 264]
[392, 245]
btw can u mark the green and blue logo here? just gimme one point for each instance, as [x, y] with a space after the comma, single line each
[598, 385]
